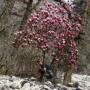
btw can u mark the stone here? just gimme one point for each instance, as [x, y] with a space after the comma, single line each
[48, 83]
[33, 79]
[5, 88]
[26, 86]
[46, 87]
[15, 85]
[23, 82]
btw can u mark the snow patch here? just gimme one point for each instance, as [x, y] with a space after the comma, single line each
[15, 83]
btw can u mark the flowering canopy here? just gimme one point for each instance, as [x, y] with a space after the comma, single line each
[54, 26]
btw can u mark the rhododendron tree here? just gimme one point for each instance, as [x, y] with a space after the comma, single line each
[54, 26]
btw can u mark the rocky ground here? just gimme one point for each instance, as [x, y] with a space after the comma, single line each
[16, 83]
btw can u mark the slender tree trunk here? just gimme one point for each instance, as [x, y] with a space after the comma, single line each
[54, 66]
[27, 13]
[68, 74]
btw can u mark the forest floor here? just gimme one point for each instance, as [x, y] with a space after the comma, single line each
[16, 83]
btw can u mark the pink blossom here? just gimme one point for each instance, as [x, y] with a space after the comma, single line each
[51, 27]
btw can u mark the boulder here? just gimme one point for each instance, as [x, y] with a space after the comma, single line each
[26, 86]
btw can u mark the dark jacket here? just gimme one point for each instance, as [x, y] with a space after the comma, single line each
[46, 70]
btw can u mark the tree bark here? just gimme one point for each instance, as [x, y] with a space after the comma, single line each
[27, 13]
[54, 66]
[68, 74]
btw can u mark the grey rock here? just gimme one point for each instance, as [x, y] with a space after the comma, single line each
[46, 87]
[33, 79]
[48, 83]
[5, 88]
[16, 85]
[26, 86]
[23, 82]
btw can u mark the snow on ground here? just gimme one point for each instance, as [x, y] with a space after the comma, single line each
[16, 83]
[84, 80]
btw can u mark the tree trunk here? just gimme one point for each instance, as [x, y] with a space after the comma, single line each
[54, 66]
[27, 13]
[68, 74]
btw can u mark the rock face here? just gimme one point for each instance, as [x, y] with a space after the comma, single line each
[13, 61]
[16, 83]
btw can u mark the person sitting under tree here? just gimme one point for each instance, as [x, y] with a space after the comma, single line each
[44, 70]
